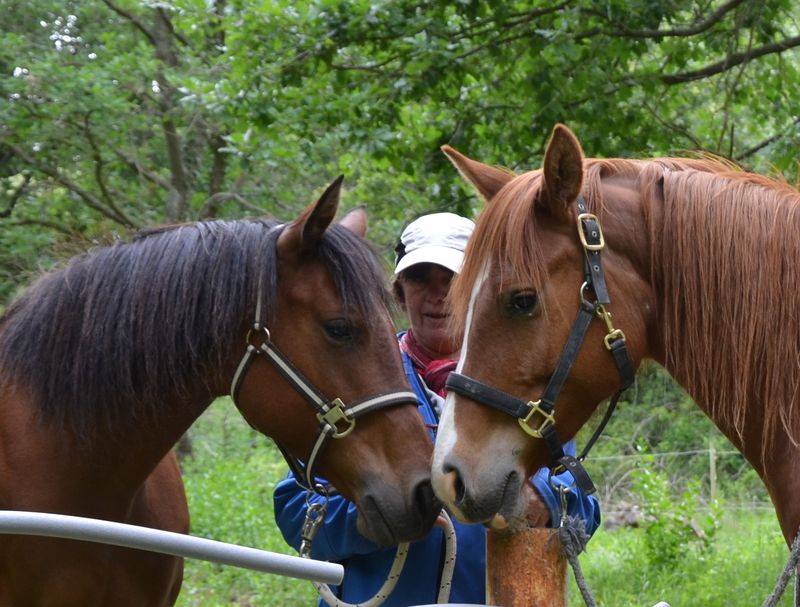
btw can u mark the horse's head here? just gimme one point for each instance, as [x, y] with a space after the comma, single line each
[516, 299]
[329, 320]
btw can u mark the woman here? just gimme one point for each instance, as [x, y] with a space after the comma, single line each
[429, 253]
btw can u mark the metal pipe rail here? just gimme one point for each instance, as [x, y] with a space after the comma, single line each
[16, 522]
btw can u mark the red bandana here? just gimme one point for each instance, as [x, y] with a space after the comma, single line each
[434, 372]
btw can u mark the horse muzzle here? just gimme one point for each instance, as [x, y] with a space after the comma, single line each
[492, 497]
[388, 516]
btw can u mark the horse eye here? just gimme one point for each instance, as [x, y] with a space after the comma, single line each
[339, 330]
[523, 303]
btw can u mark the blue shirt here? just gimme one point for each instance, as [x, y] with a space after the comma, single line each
[366, 564]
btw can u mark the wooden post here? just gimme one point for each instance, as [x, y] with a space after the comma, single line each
[525, 569]
[712, 470]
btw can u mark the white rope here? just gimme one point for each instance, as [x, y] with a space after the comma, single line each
[450, 550]
[397, 567]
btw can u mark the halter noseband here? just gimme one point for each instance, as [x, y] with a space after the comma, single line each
[592, 241]
[335, 419]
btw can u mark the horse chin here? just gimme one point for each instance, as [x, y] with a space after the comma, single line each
[385, 525]
[375, 528]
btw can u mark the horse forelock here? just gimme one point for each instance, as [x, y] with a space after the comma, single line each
[504, 238]
[106, 340]
[724, 266]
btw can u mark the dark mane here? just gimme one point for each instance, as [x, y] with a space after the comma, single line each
[104, 340]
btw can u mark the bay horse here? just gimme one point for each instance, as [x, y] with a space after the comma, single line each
[106, 362]
[701, 263]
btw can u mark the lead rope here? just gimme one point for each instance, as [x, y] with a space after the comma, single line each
[572, 537]
[315, 518]
[785, 576]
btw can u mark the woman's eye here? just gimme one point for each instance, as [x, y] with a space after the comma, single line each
[523, 303]
[339, 330]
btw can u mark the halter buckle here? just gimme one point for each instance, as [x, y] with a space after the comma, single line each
[582, 235]
[334, 415]
[524, 422]
[613, 334]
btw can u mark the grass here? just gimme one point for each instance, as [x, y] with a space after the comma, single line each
[229, 480]
[740, 568]
[232, 472]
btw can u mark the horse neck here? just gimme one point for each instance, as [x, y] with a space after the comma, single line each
[144, 445]
[716, 331]
[59, 466]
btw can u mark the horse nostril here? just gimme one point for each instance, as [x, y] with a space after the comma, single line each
[459, 488]
[425, 500]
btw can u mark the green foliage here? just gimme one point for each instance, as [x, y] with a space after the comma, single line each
[657, 417]
[675, 528]
[738, 569]
[124, 114]
[230, 477]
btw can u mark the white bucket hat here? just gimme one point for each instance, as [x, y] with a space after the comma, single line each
[438, 238]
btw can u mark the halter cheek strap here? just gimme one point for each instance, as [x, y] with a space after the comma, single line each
[591, 237]
[335, 419]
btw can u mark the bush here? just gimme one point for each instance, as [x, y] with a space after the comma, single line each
[674, 527]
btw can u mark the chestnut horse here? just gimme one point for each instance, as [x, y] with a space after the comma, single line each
[701, 263]
[104, 365]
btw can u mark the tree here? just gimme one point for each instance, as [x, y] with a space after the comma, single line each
[119, 114]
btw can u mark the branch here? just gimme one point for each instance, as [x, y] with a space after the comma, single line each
[210, 204]
[674, 127]
[161, 38]
[768, 141]
[493, 41]
[142, 171]
[133, 19]
[689, 30]
[16, 196]
[732, 87]
[90, 199]
[731, 61]
[98, 169]
[509, 26]
[255, 208]
[177, 35]
[514, 20]
[487, 25]
[370, 67]
[44, 223]
[178, 200]
[219, 162]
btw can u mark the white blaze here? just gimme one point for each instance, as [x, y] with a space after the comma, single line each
[446, 435]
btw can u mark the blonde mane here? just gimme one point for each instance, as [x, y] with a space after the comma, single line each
[725, 268]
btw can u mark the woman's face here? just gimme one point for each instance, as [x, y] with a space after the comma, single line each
[424, 288]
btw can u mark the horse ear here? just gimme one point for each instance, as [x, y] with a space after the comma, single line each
[487, 180]
[562, 170]
[304, 234]
[355, 221]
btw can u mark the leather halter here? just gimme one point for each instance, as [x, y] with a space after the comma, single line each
[335, 419]
[592, 241]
